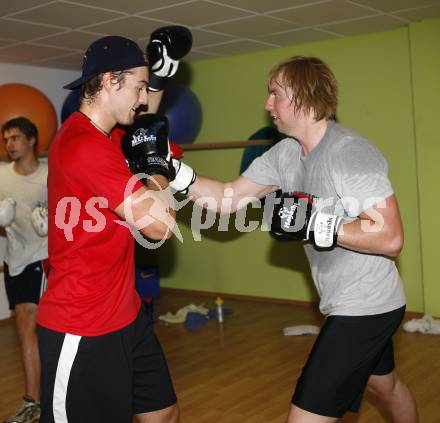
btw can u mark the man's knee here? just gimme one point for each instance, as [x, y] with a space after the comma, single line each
[26, 310]
[26, 319]
[172, 414]
[382, 385]
[166, 415]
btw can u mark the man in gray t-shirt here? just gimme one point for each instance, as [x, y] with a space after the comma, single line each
[333, 194]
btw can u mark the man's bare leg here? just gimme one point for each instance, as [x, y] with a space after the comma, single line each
[166, 415]
[298, 415]
[396, 398]
[25, 321]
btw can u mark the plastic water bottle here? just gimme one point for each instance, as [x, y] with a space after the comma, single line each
[219, 303]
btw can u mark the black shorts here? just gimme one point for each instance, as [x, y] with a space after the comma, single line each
[105, 378]
[27, 287]
[348, 350]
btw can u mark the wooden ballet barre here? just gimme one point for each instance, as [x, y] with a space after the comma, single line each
[224, 145]
[204, 146]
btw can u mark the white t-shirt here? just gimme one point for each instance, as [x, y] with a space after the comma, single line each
[350, 175]
[24, 245]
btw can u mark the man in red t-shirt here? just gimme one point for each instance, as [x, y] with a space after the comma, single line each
[101, 361]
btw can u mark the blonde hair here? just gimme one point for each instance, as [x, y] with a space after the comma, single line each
[312, 83]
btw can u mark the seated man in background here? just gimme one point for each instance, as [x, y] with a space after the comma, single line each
[23, 217]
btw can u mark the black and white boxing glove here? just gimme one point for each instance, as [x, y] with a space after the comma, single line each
[146, 147]
[166, 47]
[185, 177]
[7, 211]
[294, 218]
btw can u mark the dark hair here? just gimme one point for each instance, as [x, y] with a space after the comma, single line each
[24, 125]
[91, 88]
[313, 84]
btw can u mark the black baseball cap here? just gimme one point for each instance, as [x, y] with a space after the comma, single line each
[109, 54]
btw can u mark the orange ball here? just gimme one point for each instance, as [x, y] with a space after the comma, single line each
[24, 100]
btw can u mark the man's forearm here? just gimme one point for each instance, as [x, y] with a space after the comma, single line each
[154, 99]
[207, 187]
[161, 184]
[157, 182]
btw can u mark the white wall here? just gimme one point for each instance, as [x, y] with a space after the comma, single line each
[49, 81]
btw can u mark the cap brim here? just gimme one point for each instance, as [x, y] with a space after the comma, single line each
[77, 83]
[120, 66]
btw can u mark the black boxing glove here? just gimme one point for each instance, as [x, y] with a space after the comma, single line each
[146, 147]
[294, 218]
[167, 46]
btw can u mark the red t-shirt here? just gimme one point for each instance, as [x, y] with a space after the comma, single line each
[91, 281]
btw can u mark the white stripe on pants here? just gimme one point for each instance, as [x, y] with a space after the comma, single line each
[65, 362]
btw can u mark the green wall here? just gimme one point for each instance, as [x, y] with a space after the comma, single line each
[425, 59]
[376, 73]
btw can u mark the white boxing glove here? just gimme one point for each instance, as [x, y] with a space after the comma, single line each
[40, 220]
[7, 211]
[185, 177]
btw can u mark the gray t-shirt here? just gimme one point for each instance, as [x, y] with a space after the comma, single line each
[348, 175]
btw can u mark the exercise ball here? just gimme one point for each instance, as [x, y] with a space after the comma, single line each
[71, 104]
[250, 153]
[24, 100]
[184, 113]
